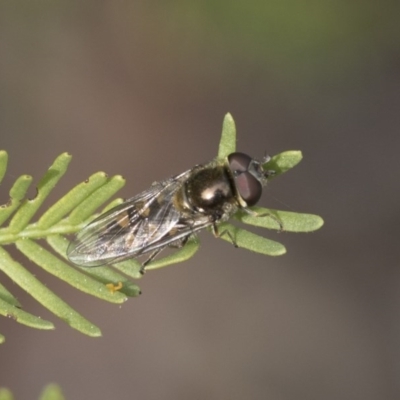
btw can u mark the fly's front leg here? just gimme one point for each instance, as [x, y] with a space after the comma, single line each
[214, 228]
[256, 214]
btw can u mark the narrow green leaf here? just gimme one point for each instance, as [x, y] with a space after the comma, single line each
[181, 255]
[3, 163]
[52, 264]
[43, 295]
[282, 162]
[107, 276]
[248, 240]
[112, 204]
[52, 392]
[71, 200]
[2, 340]
[96, 199]
[130, 268]
[227, 144]
[23, 317]
[5, 394]
[104, 275]
[8, 297]
[291, 221]
[20, 187]
[17, 193]
[29, 207]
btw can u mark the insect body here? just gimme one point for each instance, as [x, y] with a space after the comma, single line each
[171, 211]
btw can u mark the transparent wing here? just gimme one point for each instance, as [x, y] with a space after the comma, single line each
[142, 224]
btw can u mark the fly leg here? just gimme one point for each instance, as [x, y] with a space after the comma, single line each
[256, 214]
[177, 245]
[214, 228]
[149, 259]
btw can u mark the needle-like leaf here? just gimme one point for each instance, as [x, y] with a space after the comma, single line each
[3, 163]
[227, 144]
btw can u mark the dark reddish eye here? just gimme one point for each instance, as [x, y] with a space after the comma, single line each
[239, 162]
[249, 188]
[247, 185]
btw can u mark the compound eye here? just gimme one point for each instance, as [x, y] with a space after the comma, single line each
[239, 162]
[249, 188]
[247, 185]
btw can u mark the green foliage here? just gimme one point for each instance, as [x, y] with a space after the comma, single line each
[74, 210]
[50, 392]
[5, 394]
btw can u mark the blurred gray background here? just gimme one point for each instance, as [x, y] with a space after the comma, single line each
[140, 89]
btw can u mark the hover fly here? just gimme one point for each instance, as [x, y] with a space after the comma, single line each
[171, 211]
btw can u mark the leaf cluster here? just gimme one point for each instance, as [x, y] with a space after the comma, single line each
[44, 241]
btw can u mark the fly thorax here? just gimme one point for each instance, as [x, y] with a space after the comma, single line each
[209, 190]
